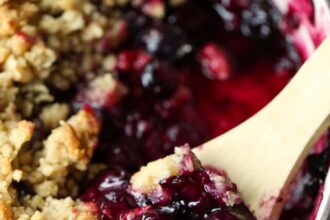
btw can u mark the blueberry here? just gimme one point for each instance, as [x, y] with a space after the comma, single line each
[108, 193]
[260, 19]
[220, 215]
[197, 19]
[159, 80]
[139, 214]
[165, 42]
[136, 22]
[183, 133]
[230, 12]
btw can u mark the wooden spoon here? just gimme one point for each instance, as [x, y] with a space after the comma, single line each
[263, 154]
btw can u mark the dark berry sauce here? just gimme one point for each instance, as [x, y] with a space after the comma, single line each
[196, 73]
[196, 193]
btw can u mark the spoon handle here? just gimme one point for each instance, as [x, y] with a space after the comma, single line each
[263, 154]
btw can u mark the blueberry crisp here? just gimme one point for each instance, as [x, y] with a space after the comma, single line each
[91, 90]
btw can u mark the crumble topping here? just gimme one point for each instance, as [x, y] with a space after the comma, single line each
[12, 137]
[103, 91]
[51, 208]
[148, 178]
[67, 150]
[33, 39]
[70, 145]
[51, 114]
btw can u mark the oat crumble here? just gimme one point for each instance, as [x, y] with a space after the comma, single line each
[33, 41]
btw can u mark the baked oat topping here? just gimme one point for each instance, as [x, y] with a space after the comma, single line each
[33, 39]
[66, 150]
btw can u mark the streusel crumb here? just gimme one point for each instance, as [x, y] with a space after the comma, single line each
[52, 114]
[12, 137]
[67, 150]
[70, 145]
[148, 178]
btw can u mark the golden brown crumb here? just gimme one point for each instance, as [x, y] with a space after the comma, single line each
[51, 115]
[147, 179]
[68, 148]
[5, 211]
[106, 90]
[53, 209]
[71, 144]
[12, 138]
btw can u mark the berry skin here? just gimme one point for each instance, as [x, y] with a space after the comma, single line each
[159, 80]
[165, 42]
[132, 61]
[214, 61]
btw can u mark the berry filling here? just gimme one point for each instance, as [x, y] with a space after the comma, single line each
[186, 72]
[194, 193]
